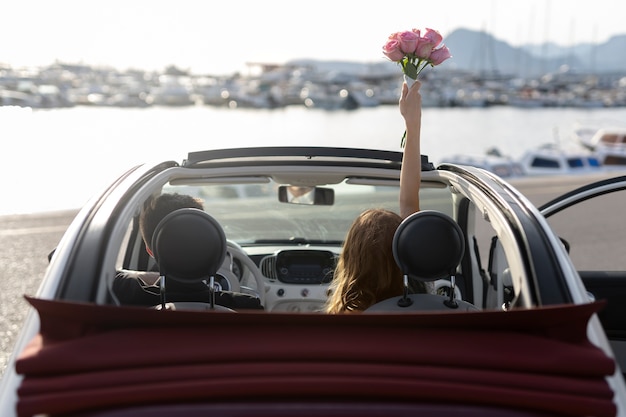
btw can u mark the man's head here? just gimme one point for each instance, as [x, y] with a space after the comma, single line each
[155, 209]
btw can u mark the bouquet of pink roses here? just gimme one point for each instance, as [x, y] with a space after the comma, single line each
[414, 52]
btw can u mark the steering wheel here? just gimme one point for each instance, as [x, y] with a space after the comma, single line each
[237, 252]
[226, 272]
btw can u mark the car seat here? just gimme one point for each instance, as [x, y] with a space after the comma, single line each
[189, 247]
[428, 245]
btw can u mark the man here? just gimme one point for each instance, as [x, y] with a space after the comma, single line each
[142, 288]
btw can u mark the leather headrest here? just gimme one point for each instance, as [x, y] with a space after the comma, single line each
[428, 245]
[189, 245]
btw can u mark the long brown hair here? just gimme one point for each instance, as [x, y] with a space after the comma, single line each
[366, 271]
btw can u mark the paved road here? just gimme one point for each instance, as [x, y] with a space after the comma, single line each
[26, 240]
[540, 190]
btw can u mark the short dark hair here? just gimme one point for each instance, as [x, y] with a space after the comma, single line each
[155, 209]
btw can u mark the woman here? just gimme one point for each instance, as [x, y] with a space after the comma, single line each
[366, 272]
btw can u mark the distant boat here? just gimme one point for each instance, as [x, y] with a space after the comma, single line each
[608, 143]
[591, 137]
[550, 159]
[170, 95]
[172, 90]
[612, 156]
[330, 98]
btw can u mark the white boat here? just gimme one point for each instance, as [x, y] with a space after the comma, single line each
[612, 155]
[172, 90]
[592, 138]
[550, 159]
[170, 95]
[608, 143]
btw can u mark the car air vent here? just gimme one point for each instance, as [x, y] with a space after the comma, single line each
[268, 267]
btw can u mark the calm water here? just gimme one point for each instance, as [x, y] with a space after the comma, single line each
[57, 159]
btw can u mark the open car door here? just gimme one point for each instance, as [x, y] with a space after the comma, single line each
[590, 222]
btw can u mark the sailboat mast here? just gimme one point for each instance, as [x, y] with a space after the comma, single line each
[544, 46]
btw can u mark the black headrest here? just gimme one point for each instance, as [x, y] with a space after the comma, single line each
[189, 245]
[428, 245]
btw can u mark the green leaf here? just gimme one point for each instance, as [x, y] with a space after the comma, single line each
[410, 70]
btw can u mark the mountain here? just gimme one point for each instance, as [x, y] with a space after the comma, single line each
[481, 52]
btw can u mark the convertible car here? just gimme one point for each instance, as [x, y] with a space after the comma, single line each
[510, 326]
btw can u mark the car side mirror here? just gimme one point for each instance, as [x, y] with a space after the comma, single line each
[294, 194]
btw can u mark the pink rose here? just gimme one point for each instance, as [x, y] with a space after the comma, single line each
[424, 48]
[392, 50]
[439, 55]
[434, 37]
[408, 41]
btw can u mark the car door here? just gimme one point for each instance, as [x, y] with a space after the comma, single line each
[590, 221]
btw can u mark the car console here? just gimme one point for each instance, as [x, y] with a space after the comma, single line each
[305, 266]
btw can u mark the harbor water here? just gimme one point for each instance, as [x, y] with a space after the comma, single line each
[57, 159]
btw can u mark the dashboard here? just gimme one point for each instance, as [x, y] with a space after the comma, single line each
[296, 279]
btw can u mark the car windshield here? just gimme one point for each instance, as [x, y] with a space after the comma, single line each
[252, 213]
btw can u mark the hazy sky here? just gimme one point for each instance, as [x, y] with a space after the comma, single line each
[208, 36]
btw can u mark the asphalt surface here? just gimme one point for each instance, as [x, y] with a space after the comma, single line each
[26, 240]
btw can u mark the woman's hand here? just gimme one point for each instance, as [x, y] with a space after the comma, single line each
[411, 105]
